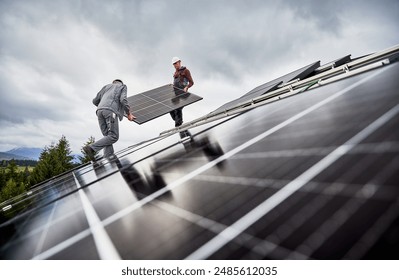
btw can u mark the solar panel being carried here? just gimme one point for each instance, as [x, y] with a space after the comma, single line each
[154, 103]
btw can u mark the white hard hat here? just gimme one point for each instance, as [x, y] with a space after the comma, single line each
[175, 59]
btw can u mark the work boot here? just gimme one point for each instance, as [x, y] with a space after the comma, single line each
[89, 152]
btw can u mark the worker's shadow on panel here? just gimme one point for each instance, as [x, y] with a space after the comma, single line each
[144, 184]
[211, 149]
[140, 183]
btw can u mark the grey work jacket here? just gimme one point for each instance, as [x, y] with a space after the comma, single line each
[113, 97]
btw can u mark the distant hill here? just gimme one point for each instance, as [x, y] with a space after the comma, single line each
[21, 153]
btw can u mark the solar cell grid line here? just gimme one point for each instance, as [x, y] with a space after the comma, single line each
[42, 198]
[106, 199]
[63, 245]
[302, 215]
[24, 244]
[370, 237]
[19, 232]
[319, 188]
[159, 101]
[247, 240]
[43, 236]
[213, 245]
[331, 225]
[350, 186]
[374, 191]
[368, 195]
[327, 207]
[323, 188]
[104, 245]
[240, 180]
[24, 234]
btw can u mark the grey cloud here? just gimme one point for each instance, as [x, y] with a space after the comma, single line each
[329, 15]
[326, 14]
[46, 102]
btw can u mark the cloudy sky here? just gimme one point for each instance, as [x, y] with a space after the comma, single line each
[55, 55]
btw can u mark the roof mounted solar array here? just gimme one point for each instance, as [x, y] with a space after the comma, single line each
[159, 101]
[290, 187]
[270, 86]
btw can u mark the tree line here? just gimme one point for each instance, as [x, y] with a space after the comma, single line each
[20, 162]
[53, 160]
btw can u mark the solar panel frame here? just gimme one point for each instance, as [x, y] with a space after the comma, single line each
[335, 63]
[300, 73]
[262, 89]
[156, 102]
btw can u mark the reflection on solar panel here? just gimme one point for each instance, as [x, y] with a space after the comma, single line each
[269, 86]
[312, 176]
[157, 102]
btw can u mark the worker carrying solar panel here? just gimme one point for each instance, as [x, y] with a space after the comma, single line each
[111, 102]
[181, 79]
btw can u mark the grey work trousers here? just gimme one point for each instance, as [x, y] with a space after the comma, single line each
[177, 116]
[109, 125]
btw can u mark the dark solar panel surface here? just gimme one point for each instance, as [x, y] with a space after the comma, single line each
[159, 101]
[270, 86]
[312, 176]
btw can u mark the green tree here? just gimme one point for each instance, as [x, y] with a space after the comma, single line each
[24, 176]
[54, 160]
[13, 181]
[85, 158]
[3, 179]
[63, 156]
[40, 172]
[12, 170]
